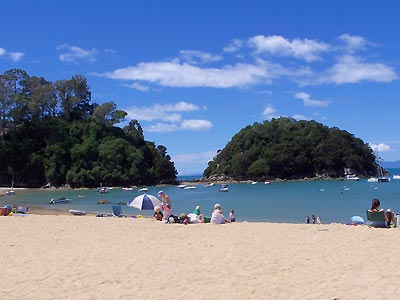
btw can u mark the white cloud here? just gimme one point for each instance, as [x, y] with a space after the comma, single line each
[162, 127]
[170, 116]
[196, 125]
[350, 69]
[381, 147]
[14, 56]
[138, 86]
[185, 125]
[299, 117]
[353, 42]
[304, 49]
[311, 102]
[175, 74]
[165, 112]
[185, 71]
[234, 46]
[195, 57]
[73, 54]
[269, 110]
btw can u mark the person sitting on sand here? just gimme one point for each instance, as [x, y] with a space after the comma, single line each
[389, 215]
[158, 215]
[217, 216]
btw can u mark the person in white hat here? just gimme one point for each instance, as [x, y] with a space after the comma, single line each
[217, 216]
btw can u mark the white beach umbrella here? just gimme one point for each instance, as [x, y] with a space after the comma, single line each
[144, 202]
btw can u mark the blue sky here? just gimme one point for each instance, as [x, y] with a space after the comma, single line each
[196, 72]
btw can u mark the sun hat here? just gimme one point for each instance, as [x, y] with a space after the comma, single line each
[217, 206]
[160, 193]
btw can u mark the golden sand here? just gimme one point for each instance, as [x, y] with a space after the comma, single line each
[71, 257]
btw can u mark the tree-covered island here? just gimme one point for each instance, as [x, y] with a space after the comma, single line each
[284, 148]
[51, 132]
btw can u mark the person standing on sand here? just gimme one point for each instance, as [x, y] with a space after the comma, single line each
[313, 219]
[165, 204]
[308, 220]
[318, 220]
[232, 215]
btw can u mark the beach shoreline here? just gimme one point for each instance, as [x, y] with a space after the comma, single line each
[71, 257]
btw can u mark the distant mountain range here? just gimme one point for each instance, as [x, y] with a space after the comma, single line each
[391, 164]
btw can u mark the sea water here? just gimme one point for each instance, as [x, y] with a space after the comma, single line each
[289, 202]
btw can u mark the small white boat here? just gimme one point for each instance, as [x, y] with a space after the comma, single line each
[127, 189]
[224, 188]
[396, 177]
[209, 184]
[181, 186]
[378, 179]
[76, 212]
[346, 188]
[103, 190]
[10, 193]
[254, 182]
[61, 200]
[143, 190]
[190, 187]
[352, 177]
[267, 182]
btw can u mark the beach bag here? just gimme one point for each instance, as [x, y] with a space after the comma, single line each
[174, 219]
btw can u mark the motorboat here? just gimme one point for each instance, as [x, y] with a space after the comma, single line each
[353, 177]
[224, 188]
[181, 186]
[76, 212]
[396, 177]
[10, 192]
[127, 189]
[143, 189]
[61, 200]
[209, 184]
[190, 187]
[372, 179]
[254, 182]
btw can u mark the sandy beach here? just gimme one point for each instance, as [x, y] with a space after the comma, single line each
[71, 257]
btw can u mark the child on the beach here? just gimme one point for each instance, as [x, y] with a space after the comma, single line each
[158, 215]
[232, 215]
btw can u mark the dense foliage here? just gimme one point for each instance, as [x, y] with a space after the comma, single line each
[289, 149]
[50, 132]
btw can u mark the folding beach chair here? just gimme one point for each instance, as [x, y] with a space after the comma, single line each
[22, 209]
[117, 211]
[376, 219]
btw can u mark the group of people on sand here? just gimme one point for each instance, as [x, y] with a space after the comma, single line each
[313, 220]
[164, 213]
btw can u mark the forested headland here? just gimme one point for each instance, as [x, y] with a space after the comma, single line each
[52, 132]
[288, 149]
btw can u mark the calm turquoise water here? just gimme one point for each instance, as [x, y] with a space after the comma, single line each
[275, 202]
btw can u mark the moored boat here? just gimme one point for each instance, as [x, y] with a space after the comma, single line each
[224, 188]
[351, 177]
[61, 200]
